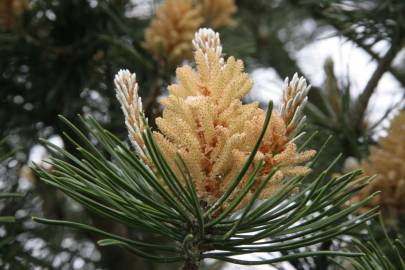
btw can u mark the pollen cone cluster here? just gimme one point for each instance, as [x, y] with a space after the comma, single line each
[205, 122]
[9, 10]
[386, 161]
[169, 36]
[171, 31]
[218, 13]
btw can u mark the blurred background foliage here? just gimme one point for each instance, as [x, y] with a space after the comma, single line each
[59, 57]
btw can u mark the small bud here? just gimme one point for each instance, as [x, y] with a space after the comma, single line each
[127, 94]
[207, 38]
[294, 100]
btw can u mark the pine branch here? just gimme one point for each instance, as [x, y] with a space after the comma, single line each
[364, 98]
[117, 191]
[262, 205]
[349, 35]
[352, 37]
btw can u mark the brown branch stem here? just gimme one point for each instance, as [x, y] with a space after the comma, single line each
[190, 265]
[364, 98]
[397, 75]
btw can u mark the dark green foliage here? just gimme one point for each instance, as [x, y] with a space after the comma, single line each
[368, 21]
[383, 253]
[60, 59]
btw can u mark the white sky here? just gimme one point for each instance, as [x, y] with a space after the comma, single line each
[349, 61]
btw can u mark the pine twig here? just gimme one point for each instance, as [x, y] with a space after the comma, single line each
[398, 76]
[364, 98]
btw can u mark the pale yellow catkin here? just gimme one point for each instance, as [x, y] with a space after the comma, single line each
[218, 13]
[386, 161]
[169, 35]
[205, 122]
[10, 10]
